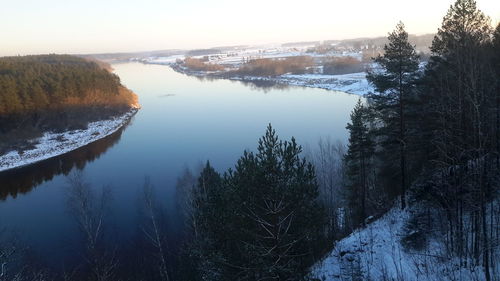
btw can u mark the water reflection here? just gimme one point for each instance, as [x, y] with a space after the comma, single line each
[264, 85]
[24, 179]
[259, 84]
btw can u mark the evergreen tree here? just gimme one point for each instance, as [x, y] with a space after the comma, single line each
[11, 102]
[496, 67]
[282, 219]
[457, 83]
[358, 162]
[262, 221]
[464, 25]
[208, 226]
[395, 83]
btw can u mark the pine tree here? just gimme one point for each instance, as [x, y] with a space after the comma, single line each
[208, 226]
[496, 67]
[11, 102]
[395, 83]
[463, 25]
[262, 220]
[358, 162]
[279, 193]
[457, 82]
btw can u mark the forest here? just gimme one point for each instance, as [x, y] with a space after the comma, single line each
[55, 92]
[430, 136]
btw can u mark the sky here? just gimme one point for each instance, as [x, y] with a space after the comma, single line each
[99, 26]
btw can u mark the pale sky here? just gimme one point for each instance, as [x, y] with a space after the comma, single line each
[97, 26]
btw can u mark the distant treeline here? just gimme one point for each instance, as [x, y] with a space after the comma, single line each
[48, 82]
[256, 67]
[279, 66]
[203, 52]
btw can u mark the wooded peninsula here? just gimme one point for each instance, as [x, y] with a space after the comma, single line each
[55, 93]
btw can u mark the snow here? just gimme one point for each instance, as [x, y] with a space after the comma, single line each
[353, 83]
[162, 60]
[376, 253]
[54, 144]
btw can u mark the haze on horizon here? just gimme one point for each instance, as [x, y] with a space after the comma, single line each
[93, 26]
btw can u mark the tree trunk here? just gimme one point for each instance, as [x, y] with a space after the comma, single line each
[402, 142]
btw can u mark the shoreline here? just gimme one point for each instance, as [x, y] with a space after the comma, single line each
[351, 83]
[55, 144]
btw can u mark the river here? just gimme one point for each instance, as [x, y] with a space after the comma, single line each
[184, 121]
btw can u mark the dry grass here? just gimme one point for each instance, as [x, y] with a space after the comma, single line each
[342, 65]
[201, 65]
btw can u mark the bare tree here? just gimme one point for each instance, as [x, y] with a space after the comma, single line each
[154, 232]
[327, 158]
[7, 253]
[90, 212]
[184, 189]
[13, 263]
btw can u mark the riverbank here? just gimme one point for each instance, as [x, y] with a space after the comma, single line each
[55, 144]
[352, 83]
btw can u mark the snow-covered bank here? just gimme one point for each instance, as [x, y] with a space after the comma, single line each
[353, 83]
[376, 253]
[54, 144]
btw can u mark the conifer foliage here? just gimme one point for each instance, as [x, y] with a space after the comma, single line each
[395, 82]
[260, 221]
[359, 163]
[48, 82]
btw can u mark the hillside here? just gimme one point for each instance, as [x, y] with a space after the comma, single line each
[383, 251]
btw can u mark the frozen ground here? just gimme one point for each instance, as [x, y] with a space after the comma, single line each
[54, 144]
[376, 253]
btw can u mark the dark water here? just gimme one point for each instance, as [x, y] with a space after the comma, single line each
[184, 121]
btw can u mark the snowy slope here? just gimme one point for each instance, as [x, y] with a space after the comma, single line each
[54, 144]
[375, 253]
